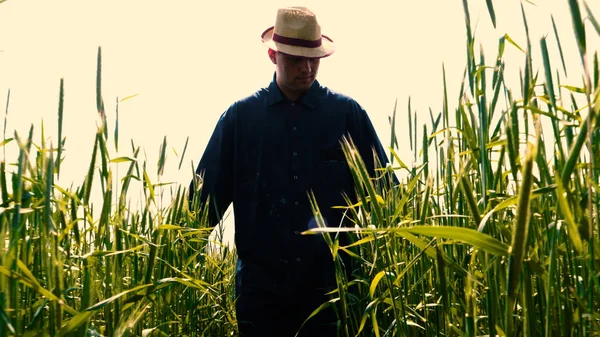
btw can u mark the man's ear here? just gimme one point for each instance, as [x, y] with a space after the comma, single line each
[273, 56]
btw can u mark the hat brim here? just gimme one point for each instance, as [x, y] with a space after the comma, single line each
[326, 48]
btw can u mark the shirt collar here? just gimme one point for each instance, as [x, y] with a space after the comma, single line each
[309, 99]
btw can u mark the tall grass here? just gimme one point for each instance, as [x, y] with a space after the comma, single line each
[489, 233]
[492, 235]
[69, 268]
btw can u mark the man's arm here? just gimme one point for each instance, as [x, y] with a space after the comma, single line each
[214, 174]
[366, 140]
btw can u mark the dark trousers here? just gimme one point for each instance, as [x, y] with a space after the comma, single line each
[263, 313]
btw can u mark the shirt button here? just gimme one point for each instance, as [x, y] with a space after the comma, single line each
[295, 153]
[298, 259]
[297, 232]
[294, 128]
[295, 177]
[296, 203]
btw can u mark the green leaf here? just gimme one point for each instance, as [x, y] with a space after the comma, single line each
[592, 18]
[490, 7]
[562, 57]
[574, 89]
[499, 142]
[375, 281]
[364, 240]
[319, 309]
[116, 133]
[74, 323]
[548, 71]
[565, 209]
[60, 126]
[99, 100]
[466, 235]
[511, 41]
[101, 304]
[97, 253]
[128, 97]
[578, 27]
[512, 201]
[87, 187]
[6, 141]
[4, 317]
[180, 228]
[183, 153]
[161, 159]
[396, 157]
[148, 185]
[122, 160]
[520, 232]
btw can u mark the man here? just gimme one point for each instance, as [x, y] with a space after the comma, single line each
[267, 152]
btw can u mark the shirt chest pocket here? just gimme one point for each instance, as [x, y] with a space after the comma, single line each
[333, 171]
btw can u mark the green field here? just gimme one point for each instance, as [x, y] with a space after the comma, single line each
[493, 231]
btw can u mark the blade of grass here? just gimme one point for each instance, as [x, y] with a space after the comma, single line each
[575, 150]
[60, 128]
[549, 85]
[592, 18]
[561, 194]
[578, 27]
[490, 7]
[470, 45]
[410, 127]
[116, 133]
[520, 232]
[560, 50]
[183, 153]
[161, 159]
[5, 121]
[99, 100]
[466, 235]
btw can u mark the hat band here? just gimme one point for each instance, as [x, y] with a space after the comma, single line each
[297, 42]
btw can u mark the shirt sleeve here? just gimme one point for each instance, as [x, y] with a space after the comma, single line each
[214, 174]
[367, 142]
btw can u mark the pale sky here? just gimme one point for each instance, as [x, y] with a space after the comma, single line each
[189, 60]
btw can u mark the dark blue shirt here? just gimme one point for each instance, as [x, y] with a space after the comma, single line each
[265, 154]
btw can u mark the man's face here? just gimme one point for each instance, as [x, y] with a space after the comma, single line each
[295, 74]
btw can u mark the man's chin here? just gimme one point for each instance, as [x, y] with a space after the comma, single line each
[305, 84]
[305, 80]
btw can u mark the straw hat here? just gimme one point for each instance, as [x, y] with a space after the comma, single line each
[297, 32]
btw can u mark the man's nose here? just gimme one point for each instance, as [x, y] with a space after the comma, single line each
[305, 65]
